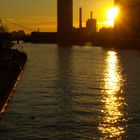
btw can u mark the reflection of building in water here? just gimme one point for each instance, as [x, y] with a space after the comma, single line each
[111, 125]
[128, 22]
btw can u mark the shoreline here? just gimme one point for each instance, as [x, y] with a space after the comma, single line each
[11, 67]
[118, 43]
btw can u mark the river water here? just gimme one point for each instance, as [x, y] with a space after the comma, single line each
[75, 93]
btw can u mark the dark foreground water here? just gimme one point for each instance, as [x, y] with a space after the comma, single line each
[76, 93]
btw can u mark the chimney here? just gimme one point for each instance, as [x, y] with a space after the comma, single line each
[91, 15]
[80, 17]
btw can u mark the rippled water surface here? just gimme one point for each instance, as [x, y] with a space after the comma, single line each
[75, 93]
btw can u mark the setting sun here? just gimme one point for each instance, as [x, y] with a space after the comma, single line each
[112, 13]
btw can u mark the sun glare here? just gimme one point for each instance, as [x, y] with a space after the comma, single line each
[112, 13]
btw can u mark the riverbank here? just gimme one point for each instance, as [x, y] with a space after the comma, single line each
[11, 65]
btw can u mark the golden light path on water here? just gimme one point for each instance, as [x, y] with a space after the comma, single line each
[110, 126]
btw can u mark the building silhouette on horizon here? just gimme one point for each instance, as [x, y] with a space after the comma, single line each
[89, 30]
[91, 25]
[127, 24]
[64, 17]
[66, 33]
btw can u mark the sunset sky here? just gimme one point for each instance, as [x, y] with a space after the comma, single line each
[41, 14]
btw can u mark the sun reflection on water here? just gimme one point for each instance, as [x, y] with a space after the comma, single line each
[111, 124]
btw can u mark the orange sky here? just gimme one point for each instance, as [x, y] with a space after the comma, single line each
[41, 14]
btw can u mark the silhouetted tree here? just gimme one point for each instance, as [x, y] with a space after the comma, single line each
[5, 37]
[3, 29]
[18, 35]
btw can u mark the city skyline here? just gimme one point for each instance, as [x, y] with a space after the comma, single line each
[43, 14]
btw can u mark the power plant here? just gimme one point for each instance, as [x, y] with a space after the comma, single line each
[126, 28]
[65, 30]
[91, 25]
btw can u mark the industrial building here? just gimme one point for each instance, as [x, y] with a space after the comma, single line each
[89, 30]
[65, 30]
[91, 25]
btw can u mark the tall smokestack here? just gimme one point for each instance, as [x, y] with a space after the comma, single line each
[80, 17]
[91, 15]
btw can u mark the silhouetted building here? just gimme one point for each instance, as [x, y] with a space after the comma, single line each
[127, 24]
[91, 25]
[106, 33]
[64, 17]
[39, 37]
